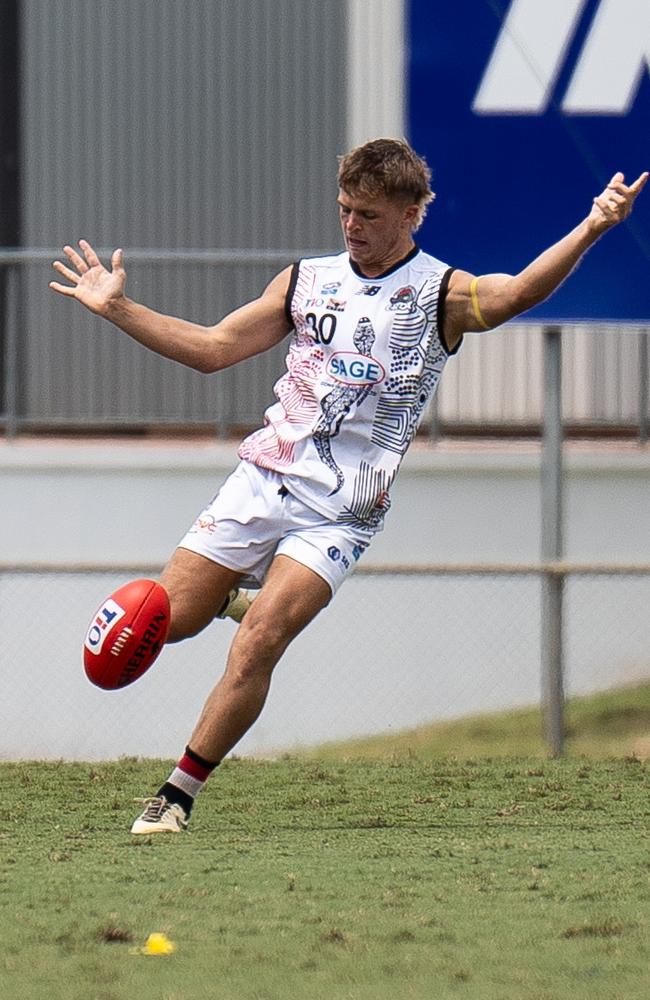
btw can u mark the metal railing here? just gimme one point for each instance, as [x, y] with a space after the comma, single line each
[28, 328]
[245, 269]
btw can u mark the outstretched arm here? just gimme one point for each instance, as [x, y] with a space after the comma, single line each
[481, 303]
[249, 330]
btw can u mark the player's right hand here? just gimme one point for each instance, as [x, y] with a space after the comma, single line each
[90, 282]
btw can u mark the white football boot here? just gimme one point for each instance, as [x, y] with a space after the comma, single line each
[238, 603]
[160, 816]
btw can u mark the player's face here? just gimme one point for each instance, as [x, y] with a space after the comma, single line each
[377, 231]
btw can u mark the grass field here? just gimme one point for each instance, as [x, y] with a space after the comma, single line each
[612, 723]
[346, 878]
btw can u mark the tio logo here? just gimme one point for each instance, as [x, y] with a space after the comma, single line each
[107, 616]
[531, 50]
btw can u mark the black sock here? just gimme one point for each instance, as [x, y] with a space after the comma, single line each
[187, 779]
[177, 796]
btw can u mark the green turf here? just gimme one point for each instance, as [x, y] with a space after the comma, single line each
[503, 879]
[611, 723]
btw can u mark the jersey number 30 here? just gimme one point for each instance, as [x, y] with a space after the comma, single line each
[323, 329]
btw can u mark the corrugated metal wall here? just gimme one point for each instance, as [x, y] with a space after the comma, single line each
[216, 124]
[163, 123]
[496, 381]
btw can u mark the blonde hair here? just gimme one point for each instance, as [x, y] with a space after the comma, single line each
[387, 168]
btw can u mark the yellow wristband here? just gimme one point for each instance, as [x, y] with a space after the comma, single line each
[475, 306]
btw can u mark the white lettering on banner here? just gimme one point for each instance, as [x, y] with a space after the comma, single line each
[532, 46]
[528, 57]
[615, 56]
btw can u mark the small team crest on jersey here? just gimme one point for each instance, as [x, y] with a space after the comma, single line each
[331, 288]
[404, 300]
[369, 290]
[351, 368]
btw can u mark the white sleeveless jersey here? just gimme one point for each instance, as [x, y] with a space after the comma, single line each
[365, 356]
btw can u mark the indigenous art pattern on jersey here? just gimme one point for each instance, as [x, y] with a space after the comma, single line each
[339, 401]
[416, 365]
[363, 360]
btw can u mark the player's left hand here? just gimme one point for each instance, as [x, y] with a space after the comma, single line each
[616, 201]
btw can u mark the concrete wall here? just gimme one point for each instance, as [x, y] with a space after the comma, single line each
[389, 653]
[123, 502]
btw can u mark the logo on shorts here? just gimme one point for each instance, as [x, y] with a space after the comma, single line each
[206, 523]
[334, 553]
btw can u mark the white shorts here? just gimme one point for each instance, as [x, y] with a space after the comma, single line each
[253, 518]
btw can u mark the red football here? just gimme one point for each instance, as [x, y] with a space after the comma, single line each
[127, 634]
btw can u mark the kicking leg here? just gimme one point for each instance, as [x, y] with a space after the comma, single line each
[186, 568]
[198, 589]
[291, 597]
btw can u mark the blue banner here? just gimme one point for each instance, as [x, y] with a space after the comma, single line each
[524, 111]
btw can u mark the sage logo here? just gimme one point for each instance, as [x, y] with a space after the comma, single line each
[532, 49]
[355, 369]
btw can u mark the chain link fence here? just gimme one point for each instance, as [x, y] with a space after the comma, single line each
[397, 648]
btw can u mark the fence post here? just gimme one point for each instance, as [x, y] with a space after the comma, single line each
[10, 359]
[644, 333]
[434, 424]
[552, 544]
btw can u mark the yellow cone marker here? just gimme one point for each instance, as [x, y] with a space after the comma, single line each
[158, 944]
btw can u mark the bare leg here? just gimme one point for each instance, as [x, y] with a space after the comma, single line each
[197, 589]
[291, 597]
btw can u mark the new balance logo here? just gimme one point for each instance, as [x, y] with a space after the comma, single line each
[531, 51]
